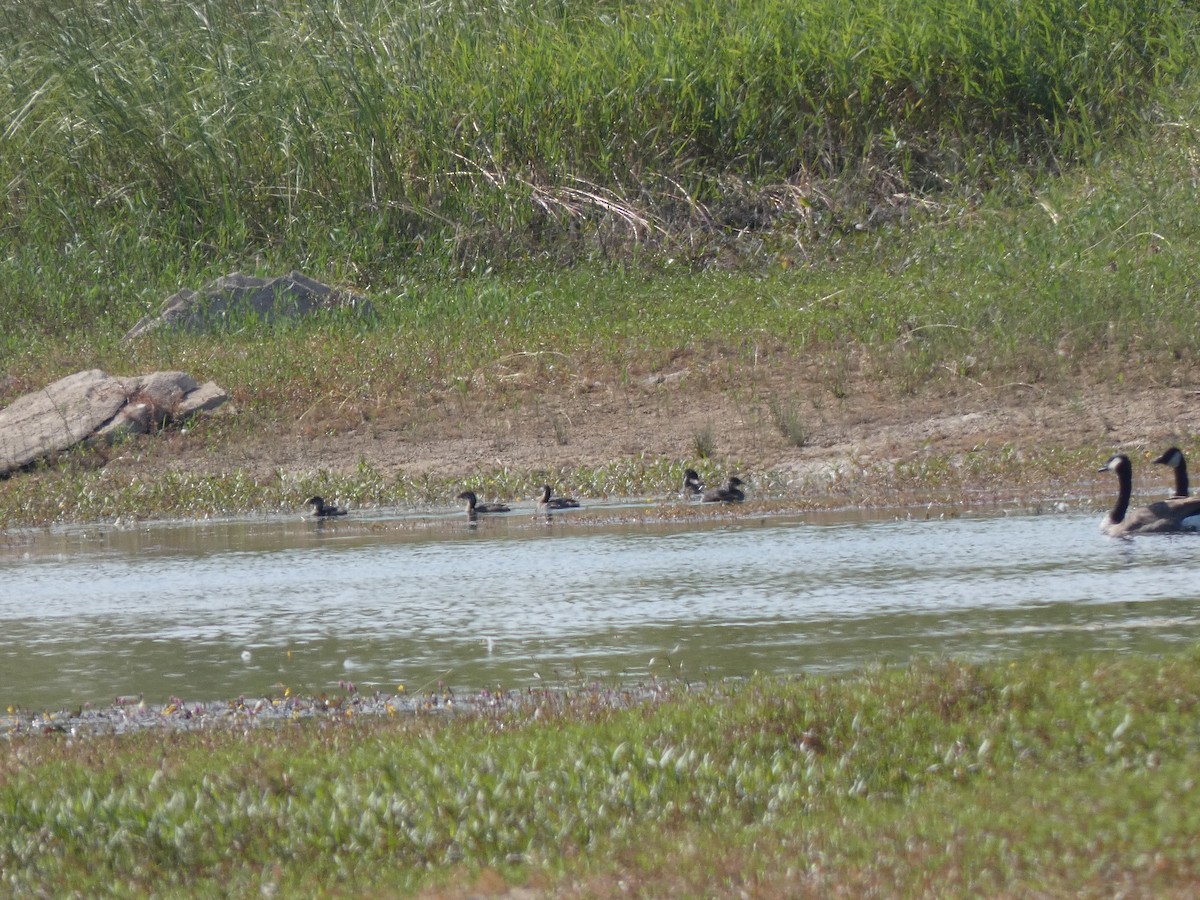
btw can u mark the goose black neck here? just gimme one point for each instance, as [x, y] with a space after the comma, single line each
[1181, 479]
[1125, 482]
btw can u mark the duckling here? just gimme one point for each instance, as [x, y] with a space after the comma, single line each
[730, 493]
[321, 510]
[1173, 457]
[546, 503]
[1161, 517]
[692, 485]
[473, 506]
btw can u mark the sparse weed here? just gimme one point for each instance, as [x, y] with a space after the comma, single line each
[561, 423]
[787, 418]
[704, 442]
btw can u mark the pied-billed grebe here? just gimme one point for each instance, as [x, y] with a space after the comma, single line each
[692, 485]
[548, 503]
[321, 509]
[474, 506]
[1173, 457]
[730, 493]
[1163, 517]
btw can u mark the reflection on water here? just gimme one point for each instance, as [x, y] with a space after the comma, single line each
[215, 610]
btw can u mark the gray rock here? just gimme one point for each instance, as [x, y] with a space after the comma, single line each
[203, 399]
[234, 296]
[164, 390]
[94, 406]
[132, 418]
[58, 416]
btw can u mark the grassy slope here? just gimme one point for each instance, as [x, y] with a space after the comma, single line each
[911, 215]
[149, 146]
[1063, 776]
[1090, 277]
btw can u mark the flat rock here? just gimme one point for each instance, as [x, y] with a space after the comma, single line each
[58, 416]
[92, 405]
[235, 296]
[164, 390]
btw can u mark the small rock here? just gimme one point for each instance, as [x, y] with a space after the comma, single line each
[205, 398]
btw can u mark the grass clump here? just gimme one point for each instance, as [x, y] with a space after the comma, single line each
[704, 442]
[1067, 774]
[787, 418]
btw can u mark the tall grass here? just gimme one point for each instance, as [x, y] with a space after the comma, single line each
[143, 140]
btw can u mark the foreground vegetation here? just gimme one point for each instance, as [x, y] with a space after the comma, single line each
[1057, 775]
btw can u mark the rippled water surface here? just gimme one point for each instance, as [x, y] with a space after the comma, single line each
[215, 610]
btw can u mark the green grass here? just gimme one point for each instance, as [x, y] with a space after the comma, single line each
[150, 145]
[1097, 262]
[78, 489]
[1054, 774]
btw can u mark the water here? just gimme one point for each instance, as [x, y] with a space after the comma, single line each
[216, 610]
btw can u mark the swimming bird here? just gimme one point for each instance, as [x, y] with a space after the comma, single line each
[1173, 457]
[730, 493]
[474, 506]
[321, 510]
[546, 503]
[1161, 517]
[692, 485]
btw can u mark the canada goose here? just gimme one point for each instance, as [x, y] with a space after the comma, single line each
[692, 485]
[321, 510]
[1162, 517]
[1173, 457]
[730, 493]
[546, 503]
[474, 506]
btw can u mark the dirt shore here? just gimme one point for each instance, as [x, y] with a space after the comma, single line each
[583, 422]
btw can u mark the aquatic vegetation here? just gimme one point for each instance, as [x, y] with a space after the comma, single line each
[72, 490]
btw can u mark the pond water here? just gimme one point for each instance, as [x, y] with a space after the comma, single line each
[214, 610]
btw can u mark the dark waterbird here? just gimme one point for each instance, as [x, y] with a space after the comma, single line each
[475, 507]
[730, 493]
[692, 485]
[548, 503]
[322, 510]
[1173, 457]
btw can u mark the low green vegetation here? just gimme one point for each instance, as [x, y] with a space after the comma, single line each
[76, 491]
[1047, 774]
